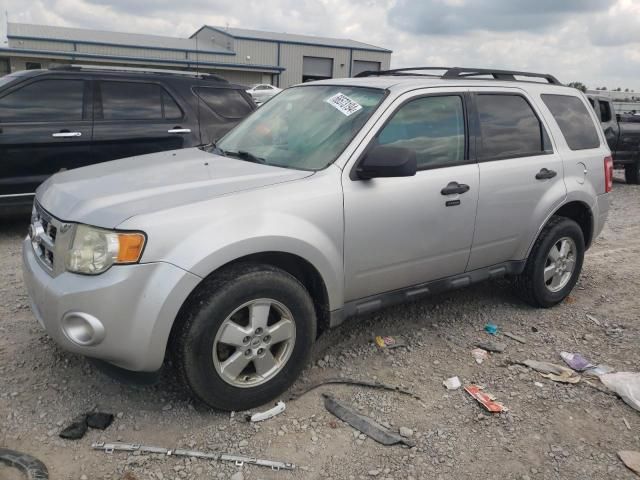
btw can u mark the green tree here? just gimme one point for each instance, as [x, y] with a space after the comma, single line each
[579, 85]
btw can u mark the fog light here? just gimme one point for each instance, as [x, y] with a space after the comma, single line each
[82, 329]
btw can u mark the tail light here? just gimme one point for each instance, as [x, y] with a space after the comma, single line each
[608, 174]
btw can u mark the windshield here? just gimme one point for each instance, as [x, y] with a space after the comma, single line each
[303, 127]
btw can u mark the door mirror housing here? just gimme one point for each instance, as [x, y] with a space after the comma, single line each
[383, 161]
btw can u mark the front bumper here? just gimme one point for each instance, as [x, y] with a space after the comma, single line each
[136, 304]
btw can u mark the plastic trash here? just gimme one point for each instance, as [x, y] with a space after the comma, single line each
[490, 346]
[554, 372]
[491, 328]
[576, 361]
[388, 342]
[485, 399]
[452, 383]
[272, 412]
[626, 385]
[479, 355]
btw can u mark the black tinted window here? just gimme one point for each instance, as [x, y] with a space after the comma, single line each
[509, 127]
[44, 101]
[137, 101]
[431, 126]
[605, 111]
[574, 121]
[225, 102]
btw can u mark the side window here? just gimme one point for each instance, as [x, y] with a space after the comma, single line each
[44, 101]
[225, 102]
[574, 121]
[509, 128]
[137, 101]
[431, 126]
[605, 111]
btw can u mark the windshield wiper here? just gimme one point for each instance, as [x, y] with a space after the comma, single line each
[244, 155]
[211, 148]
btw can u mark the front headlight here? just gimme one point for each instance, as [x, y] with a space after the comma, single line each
[95, 250]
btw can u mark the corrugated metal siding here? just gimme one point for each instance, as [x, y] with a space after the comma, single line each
[243, 78]
[42, 45]
[291, 59]
[131, 52]
[382, 57]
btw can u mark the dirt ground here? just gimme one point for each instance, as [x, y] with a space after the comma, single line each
[552, 430]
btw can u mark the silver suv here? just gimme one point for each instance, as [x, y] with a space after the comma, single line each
[334, 199]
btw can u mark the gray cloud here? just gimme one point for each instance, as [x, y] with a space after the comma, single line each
[438, 17]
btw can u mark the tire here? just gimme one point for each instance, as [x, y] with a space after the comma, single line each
[245, 290]
[531, 285]
[30, 467]
[632, 173]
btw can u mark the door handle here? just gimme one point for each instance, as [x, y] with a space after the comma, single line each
[545, 174]
[66, 134]
[455, 187]
[179, 130]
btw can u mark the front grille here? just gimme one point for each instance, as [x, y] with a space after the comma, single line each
[44, 233]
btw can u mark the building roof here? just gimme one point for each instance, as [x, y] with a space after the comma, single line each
[101, 37]
[244, 33]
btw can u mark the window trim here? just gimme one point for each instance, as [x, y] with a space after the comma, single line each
[87, 100]
[469, 131]
[479, 138]
[98, 103]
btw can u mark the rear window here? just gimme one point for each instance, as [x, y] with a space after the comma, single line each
[509, 127]
[574, 121]
[225, 102]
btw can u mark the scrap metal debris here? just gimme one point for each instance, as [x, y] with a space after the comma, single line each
[552, 371]
[517, 338]
[576, 361]
[626, 385]
[349, 381]
[485, 399]
[631, 459]
[78, 428]
[237, 459]
[272, 412]
[364, 424]
[30, 467]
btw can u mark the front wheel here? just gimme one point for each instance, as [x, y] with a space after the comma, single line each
[245, 337]
[554, 264]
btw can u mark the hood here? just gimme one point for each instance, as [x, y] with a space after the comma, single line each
[108, 193]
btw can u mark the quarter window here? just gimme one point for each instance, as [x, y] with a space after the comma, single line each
[225, 102]
[44, 101]
[574, 121]
[137, 101]
[509, 128]
[433, 127]
[605, 111]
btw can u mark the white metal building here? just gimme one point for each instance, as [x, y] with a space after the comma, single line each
[240, 55]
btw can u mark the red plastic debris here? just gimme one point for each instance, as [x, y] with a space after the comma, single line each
[485, 399]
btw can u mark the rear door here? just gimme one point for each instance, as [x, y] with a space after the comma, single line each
[521, 176]
[138, 117]
[45, 127]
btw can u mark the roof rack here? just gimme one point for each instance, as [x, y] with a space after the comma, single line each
[186, 73]
[460, 72]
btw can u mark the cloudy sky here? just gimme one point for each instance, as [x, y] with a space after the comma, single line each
[593, 41]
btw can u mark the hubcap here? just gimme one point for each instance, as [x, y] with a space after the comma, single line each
[254, 343]
[560, 264]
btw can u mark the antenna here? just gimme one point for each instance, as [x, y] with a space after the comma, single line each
[198, 100]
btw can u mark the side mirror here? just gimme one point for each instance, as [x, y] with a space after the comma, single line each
[384, 161]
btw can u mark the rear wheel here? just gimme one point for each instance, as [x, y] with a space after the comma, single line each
[632, 173]
[245, 337]
[554, 265]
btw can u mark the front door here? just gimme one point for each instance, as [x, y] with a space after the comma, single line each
[405, 231]
[45, 127]
[522, 177]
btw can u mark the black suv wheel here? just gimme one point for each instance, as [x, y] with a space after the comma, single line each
[554, 264]
[245, 337]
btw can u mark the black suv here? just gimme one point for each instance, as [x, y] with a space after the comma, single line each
[72, 116]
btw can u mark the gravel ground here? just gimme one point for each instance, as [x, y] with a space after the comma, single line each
[552, 430]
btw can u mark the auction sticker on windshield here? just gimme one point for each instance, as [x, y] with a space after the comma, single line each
[344, 104]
